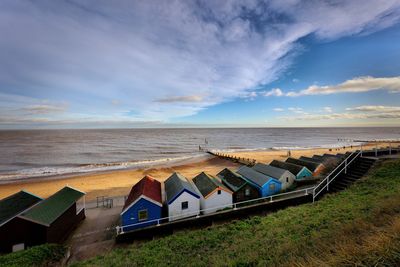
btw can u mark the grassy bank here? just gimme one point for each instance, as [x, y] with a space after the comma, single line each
[360, 226]
[44, 255]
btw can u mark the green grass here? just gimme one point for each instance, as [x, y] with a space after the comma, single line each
[357, 227]
[43, 255]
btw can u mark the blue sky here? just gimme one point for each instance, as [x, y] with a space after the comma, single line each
[84, 64]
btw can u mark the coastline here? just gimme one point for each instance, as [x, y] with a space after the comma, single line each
[119, 182]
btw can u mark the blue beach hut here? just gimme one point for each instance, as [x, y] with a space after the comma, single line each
[143, 206]
[266, 185]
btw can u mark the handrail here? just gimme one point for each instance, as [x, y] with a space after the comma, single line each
[306, 191]
[326, 180]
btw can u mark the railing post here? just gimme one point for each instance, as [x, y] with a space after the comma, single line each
[361, 149]
[345, 166]
[234, 207]
[327, 183]
[270, 199]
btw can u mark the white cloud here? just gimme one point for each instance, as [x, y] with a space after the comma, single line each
[327, 109]
[279, 109]
[375, 109]
[273, 92]
[356, 85]
[138, 53]
[184, 99]
[45, 109]
[248, 95]
[297, 110]
[357, 113]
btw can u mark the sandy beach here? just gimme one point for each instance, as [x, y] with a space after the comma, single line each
[117, 183]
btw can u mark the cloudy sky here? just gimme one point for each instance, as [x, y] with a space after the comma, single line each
[100, 63]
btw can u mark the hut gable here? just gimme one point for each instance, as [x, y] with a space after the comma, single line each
[50, 209]
[215, 196]
[207, 184]
[182, 197]
[175, 185]
[12, 206]
[148, 188]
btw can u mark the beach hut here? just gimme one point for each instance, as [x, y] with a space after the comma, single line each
[182, 198]
[284, 176]
[214, 195]
[300, 172]
[315, 167]
[48, 221]
[266, 185]
[10, 208]
[241, 188]
[143, 206]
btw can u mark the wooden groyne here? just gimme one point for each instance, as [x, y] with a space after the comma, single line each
[241, 160]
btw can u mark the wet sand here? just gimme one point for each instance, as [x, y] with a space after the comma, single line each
[118, 183]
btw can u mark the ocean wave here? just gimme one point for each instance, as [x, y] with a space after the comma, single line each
[280, 148]
[88, 168]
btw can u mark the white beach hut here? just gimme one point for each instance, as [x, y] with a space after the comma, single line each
[214, 195]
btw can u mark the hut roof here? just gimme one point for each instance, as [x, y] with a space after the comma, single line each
[311, 165]
[329, 158]
[293, 168]
[254, 176]
[148, 187]
[332, 156]
[175, 184]
[207, 184]
[316, 159]
[48, 210]
[232, 179]
[13, 205]
[271, 171]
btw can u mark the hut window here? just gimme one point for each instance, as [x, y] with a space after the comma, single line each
[272, 187]
[142, 215]
[287, 179]
[185, 205]
[219, 192]
[247, 192]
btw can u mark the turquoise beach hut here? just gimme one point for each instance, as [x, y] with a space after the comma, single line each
[266, 185]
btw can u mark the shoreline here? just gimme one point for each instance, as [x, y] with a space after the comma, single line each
[119, 182]
[170, 163]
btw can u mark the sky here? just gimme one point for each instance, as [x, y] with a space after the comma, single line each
[277, 63]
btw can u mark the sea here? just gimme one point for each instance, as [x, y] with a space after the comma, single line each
[42, 153]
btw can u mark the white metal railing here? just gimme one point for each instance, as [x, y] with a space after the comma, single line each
[218, 209]
[338, 170]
